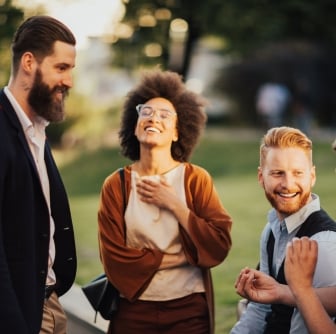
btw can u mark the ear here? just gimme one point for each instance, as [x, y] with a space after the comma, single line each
[260, 177]
[313, 176]
[28, 62]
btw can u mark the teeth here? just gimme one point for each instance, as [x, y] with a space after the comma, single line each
[152, 129]
[287, 195]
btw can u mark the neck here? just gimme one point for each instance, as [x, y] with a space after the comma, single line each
[149, 164]
[20, 91]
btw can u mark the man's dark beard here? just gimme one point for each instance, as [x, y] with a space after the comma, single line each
[41, 99]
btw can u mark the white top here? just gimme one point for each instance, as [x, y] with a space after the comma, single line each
[150, 227]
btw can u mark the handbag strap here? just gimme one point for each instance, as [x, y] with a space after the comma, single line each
[123, 189]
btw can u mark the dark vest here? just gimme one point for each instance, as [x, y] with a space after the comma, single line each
[279, 319]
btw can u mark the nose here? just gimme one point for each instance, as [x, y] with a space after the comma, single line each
[288, 181]
[67, 79]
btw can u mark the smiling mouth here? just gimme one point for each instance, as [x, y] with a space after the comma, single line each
[152, 129]
[286, 195]
[59, 94]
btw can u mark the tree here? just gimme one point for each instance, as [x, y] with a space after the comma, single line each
[245, 25]
[267, 40]
[10, 17]
[170, 27]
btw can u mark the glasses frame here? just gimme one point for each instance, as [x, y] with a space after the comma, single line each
[170, 114]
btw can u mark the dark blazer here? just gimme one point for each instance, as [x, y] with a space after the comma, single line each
[24, 230]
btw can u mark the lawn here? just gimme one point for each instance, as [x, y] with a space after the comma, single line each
[233, 164]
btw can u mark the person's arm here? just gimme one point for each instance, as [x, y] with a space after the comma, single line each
[116, 256]
[262, 288]
[300, 265]
[258, 285]
[252, 320]
[173, 260]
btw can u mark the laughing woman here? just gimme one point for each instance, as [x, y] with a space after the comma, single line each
[159, 246]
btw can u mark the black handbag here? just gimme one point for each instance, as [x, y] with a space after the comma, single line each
[102, 295]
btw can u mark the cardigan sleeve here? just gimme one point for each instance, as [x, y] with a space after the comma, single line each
[209, 240]
[130, 270]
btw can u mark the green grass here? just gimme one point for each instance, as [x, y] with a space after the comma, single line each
[233, 165]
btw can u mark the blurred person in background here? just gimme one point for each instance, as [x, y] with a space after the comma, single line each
[159, 251]
[272, 102]
[37, 247]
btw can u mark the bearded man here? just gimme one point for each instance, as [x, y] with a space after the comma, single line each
[37, 247]
[287, 175]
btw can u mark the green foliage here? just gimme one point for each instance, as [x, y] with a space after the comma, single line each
[86, 125]
[245, 25]
[94, 167]
[251, 24]
[10, 17]
[232, 159]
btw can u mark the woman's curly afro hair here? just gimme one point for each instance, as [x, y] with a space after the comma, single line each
[191, 117]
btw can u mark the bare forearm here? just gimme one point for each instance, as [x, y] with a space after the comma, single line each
[314, 314]
[327, 297]
[285, 296]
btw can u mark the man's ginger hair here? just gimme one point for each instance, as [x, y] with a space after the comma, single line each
[285, 137]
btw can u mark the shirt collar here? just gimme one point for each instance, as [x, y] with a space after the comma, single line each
[298, 218]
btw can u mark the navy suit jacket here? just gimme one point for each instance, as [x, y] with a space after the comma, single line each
[25, 229]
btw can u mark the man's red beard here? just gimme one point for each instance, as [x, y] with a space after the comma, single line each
[287, 209]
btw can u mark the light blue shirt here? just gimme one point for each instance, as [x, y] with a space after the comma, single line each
[253, 320]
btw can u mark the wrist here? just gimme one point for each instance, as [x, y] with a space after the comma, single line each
[285, 295]
[298, 290]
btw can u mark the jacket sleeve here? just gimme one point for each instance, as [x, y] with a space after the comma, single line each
[253, 320]
[130, 270]
[209, 240]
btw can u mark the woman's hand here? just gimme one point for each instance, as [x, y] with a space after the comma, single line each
[158, 193]
[163, 195]
[300, 263]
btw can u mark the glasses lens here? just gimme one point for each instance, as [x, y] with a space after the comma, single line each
[164, 113]
[146, 111]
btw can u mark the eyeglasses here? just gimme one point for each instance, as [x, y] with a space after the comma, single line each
[146, 111]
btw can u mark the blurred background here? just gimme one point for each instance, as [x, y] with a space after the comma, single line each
[259, 62]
